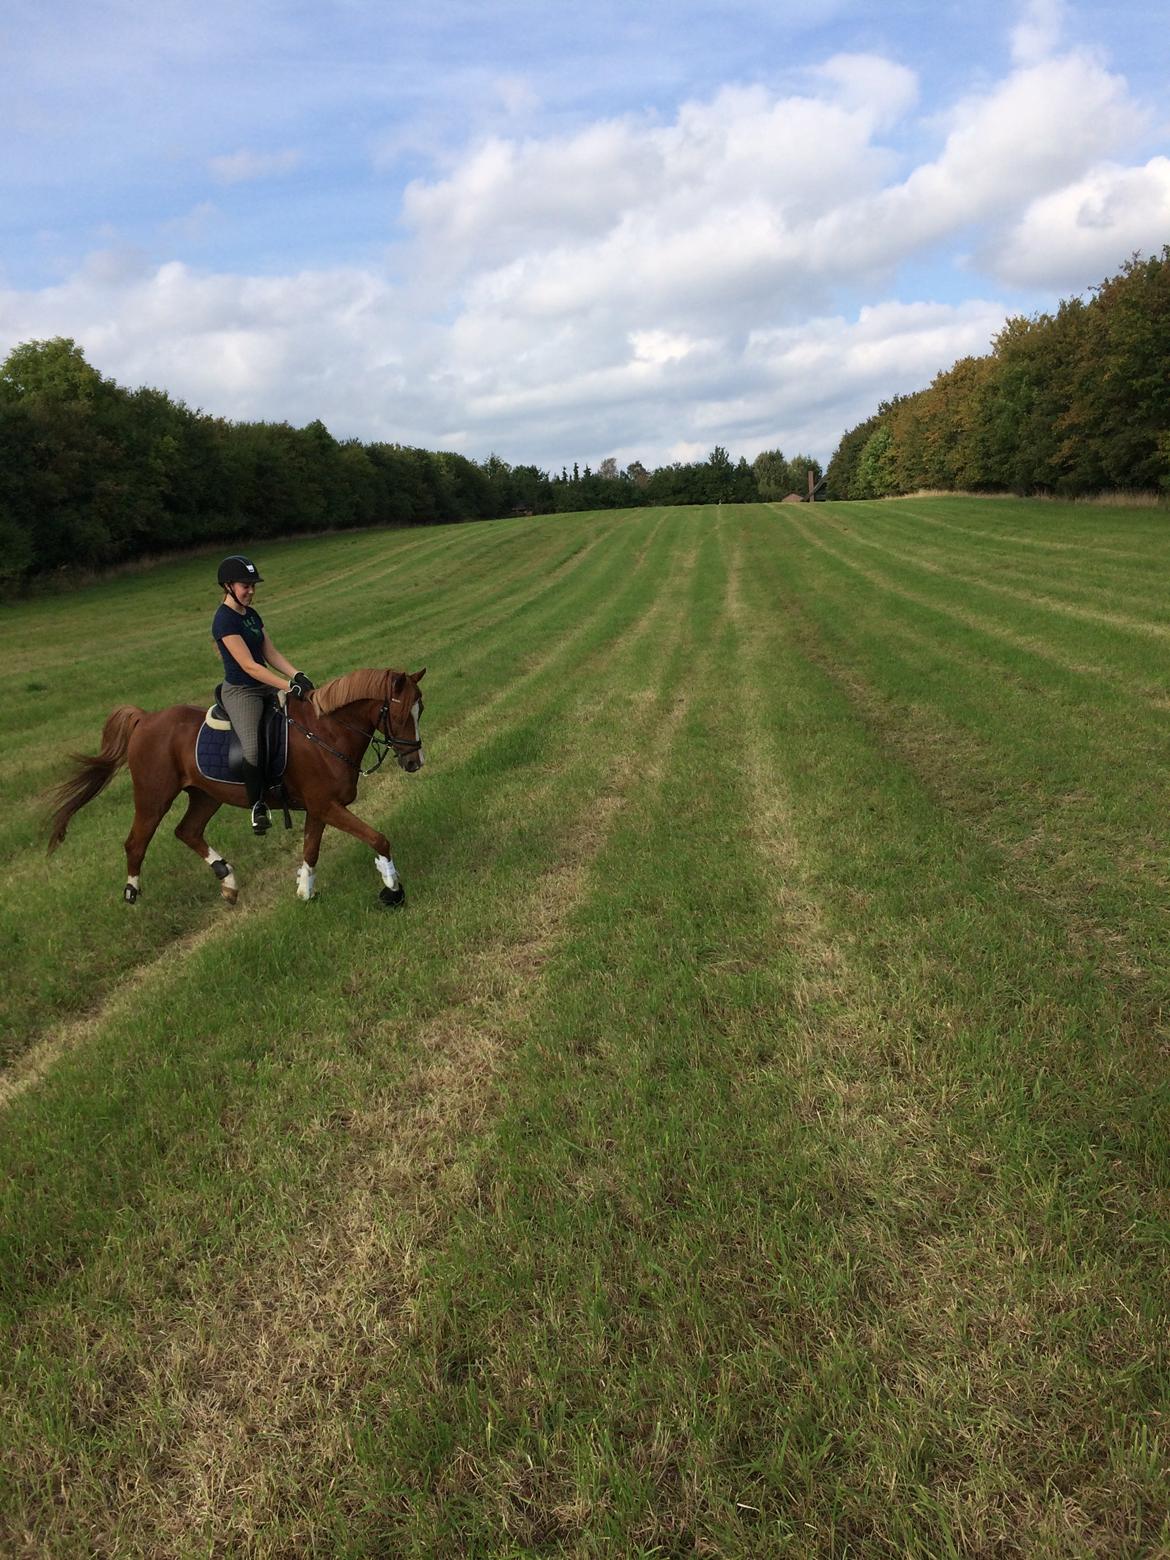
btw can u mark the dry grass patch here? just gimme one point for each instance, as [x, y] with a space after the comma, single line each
[287, 1353]
[260, 1368]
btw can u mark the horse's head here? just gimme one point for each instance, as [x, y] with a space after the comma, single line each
[403, 712]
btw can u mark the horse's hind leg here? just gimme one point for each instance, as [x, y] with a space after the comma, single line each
[201, 808]
[147, 817]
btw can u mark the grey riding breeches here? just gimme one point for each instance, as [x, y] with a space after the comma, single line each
[245, 709]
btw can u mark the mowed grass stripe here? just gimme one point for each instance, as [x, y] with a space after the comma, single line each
[337, 635]
[1008, 1310]
[987, 677]
[299, 565]
[364, 630]
[97, 942]
[354, 1275]
[511, 1402]
[994, 581]
[518, 582]
[1028, 614]
[1120, 659]
[497, 866]
[1060, 528]
[983, 729]
[458, 752]
[778, 1353]
[335, 629]
[728, 1158]
[1078, 571]
[983, 659]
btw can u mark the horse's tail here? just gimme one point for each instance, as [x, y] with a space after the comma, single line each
[91, 775]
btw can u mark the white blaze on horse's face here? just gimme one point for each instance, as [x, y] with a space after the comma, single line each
[413, 760]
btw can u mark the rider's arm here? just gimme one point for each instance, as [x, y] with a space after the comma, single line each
[240, 654]
[273, 656]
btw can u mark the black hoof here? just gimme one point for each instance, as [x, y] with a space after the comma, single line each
[130, 894]
[393, 898]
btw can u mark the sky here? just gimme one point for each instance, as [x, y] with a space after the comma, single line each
[560, 232]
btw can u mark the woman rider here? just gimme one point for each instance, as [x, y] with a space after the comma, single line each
[248, 658]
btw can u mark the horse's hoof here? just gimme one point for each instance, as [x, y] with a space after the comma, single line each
[130, 894]
[230, 895]
[393, 898]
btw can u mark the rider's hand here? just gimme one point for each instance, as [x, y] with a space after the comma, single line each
[300, 686]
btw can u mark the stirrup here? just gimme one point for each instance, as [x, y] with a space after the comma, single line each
[261, 818]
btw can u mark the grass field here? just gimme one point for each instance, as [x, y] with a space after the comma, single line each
[751, 1139]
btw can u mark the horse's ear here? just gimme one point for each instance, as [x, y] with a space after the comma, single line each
[417, 677]
[397, 683]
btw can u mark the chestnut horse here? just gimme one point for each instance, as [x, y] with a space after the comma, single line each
[329, 733]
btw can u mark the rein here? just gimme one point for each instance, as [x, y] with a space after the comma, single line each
[381, 739]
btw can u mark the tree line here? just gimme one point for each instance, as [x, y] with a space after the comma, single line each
[1072, 403]
[93, 474]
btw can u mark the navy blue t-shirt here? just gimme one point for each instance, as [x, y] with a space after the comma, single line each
[250, 627]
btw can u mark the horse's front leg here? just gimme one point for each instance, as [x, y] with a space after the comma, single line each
[393, 893]
[307, 871]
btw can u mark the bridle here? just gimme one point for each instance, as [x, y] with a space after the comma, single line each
[381, 739]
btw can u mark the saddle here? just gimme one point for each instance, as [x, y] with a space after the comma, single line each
[219, 756]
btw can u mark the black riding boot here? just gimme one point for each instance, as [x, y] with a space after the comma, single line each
[254, 787]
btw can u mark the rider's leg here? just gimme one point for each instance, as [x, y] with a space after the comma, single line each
[245, 708]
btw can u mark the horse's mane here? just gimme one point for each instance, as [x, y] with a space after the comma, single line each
[365, 683]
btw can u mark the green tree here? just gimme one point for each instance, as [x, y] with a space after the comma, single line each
[875, 468]
[841, 476]
[720, 476]
[743, 484]
[798, 469]
[773, 478]
[53, 370]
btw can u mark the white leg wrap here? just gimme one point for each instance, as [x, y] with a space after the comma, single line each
[134, 882]
[228, 882]
[386, 871]
[306, 877]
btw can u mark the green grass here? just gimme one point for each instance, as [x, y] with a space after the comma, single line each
[751, 1140]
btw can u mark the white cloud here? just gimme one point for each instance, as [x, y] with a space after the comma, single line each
[648, 283]
[1037, 33]
[244, 166]
[1043, 125]
[1084, 230]
[654, 347]
[882, 88]
[241, 347]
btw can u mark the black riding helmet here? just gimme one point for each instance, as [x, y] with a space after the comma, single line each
[238, 570]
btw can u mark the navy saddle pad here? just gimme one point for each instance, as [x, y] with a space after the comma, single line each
[218, 754]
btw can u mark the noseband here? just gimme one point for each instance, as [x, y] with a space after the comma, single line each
[382, 734]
